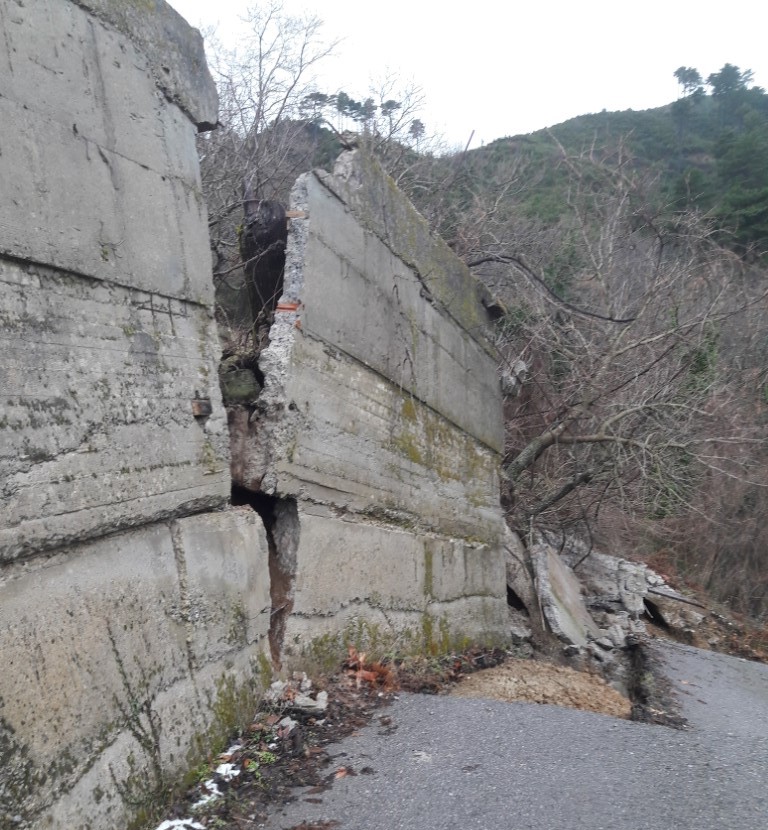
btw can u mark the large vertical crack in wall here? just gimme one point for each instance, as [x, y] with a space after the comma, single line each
[281, 522]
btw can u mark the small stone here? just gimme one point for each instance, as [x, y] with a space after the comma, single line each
[599, 653]
[308, 704]
[275, 691]
[617, 634]
[287, 725]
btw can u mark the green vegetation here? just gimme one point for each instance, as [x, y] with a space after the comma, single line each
[709, 153]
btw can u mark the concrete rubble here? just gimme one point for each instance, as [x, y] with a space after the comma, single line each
[598, 605]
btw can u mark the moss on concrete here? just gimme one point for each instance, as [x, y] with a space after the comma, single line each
[426, 438]
[381, 208]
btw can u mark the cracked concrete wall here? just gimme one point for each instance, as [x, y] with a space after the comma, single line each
[381, 415]
[130, 614]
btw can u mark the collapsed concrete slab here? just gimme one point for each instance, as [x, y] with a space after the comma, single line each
[559, 593]
[380, 417]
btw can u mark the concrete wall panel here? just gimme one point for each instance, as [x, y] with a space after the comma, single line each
[96, 409]
[149, 618]
[381, 416]
[132, 621]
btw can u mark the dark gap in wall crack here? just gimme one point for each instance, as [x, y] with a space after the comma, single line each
[281, 522]
[514, 601]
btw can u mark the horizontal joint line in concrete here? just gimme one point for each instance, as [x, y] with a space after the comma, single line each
[334, 347]
[117, 528]
[21, 260]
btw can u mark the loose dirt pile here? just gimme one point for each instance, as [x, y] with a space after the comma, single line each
[530, 681]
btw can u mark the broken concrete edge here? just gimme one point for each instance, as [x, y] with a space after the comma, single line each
[173, 48]
[359, 181]
[278, 421]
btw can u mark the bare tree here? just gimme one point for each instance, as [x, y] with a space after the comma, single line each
[617, 315]
[388, 134]
[263, 138]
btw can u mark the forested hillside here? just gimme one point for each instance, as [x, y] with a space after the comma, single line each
[709, 150]
[628, 252]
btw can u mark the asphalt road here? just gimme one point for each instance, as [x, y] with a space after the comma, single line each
[447, 763]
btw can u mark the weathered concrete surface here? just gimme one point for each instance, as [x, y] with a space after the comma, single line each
[435, 588]
[136, 625]
[381, 414]
[172, 49]
[105, 278]
[131, 621]
[96, 409]
[105, 182]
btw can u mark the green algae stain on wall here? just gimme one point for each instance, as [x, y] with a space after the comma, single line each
[427, 439]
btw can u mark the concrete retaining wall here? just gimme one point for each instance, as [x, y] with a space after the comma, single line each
[130, 618]
[381, 416]
[137, 606]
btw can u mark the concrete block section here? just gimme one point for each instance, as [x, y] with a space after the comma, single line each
[410, 586]
[382, 210]
[106, 182]
[355, 439]
[51, 49]
[393, 319]
[172, 47]
[225, 574]
[121, 660]
[374, 389]
[96, 407]
[347, 562]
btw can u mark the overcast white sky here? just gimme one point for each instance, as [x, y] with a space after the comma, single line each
[513, 67]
